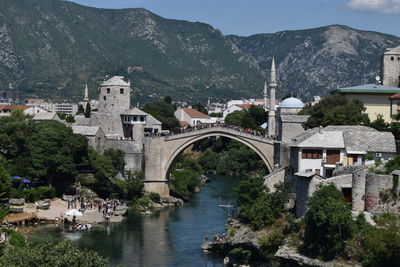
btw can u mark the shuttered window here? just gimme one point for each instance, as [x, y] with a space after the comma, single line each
[311, 154]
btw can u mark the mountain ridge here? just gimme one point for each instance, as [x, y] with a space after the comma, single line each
[51, 48]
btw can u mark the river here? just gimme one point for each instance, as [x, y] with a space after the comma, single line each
[170, 237]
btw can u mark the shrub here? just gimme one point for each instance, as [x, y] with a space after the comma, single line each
[50, 254]
[328, 223]
[155, 197]
[240, 254]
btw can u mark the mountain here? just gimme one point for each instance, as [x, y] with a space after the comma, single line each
[316, 61]
[51, 48]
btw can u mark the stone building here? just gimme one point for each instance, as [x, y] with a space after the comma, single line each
[122, 126]
[391, 67]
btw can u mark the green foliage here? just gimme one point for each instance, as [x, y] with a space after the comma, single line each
[240, 254]
[200, 107]
[50, 254]
[70, 119]
[88, 110]
[382, 243]
[131, 187]
[227, 156]
[257, 207]
[34, 194]
[163, 112]
[251, 118]
[155, 197]
[5, 180]
[216, 114]
[335, 110]
[184, 181]
[117, 158]
[3, 211]
[328, 223]
[168, 99]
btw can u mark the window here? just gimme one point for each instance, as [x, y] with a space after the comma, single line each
[311, 154]
[392, 58]
[317, 171]
[332, 156]
[105, 98]
[121, 91]
[142, 118]
[134, 118]
[108, 90]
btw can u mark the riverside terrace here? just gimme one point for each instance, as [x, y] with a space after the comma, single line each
[161, 151]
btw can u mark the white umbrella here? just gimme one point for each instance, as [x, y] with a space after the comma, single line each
[73, 212]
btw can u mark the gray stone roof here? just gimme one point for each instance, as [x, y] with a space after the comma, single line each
[324, 139]
[115, 81]
[134, 111]
[294, 118]
[85, 130]
[44, 116]
[81, 120]
[352, 137]
[370, 141]
[150, 120]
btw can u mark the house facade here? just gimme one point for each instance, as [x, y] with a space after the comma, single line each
[320, 150]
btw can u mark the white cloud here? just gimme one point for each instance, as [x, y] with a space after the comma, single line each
[384, 6]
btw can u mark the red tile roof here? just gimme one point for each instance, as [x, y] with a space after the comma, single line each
[246, 106]
[194, 113]
[11, 107]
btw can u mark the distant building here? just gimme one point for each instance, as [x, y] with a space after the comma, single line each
[11, 97]
[193, 117]
[376, 98]
[319, 150]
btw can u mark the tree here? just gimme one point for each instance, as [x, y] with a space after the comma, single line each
[201, 108]
[335, 110]
[5, 180]
[88, 110]
[168, 99]
[132, 185]
[70, 119]
[163, 112]
[328, 223]
[117, 158]
[50, 254]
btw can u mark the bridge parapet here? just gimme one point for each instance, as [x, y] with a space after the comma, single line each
[215, 130]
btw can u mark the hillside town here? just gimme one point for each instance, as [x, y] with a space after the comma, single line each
[131, 139]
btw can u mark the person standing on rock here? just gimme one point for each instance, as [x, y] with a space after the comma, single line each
[206, 237]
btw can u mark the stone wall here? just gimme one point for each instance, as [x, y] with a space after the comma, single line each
[381, 193]
[305, 188]
[133, 152]
[391, 69]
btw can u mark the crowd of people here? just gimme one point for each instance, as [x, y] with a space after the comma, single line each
[206, 126]
[216, 237]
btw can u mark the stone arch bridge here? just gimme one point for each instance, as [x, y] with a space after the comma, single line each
[160, 152]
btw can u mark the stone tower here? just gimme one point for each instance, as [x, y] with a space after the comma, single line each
[265, 96]
[271, 113]
[391, 67]
[114, 95]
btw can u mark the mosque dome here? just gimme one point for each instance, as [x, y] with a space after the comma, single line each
[292, 102]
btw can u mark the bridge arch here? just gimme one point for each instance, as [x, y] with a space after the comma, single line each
[161, 152]
[182, 147]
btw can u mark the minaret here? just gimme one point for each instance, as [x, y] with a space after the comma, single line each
[271, 114]
[86, 97]
[265, 96]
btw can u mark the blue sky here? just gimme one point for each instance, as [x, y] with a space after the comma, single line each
[246, 17]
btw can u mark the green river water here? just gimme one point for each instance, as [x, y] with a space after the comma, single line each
[170, 237]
